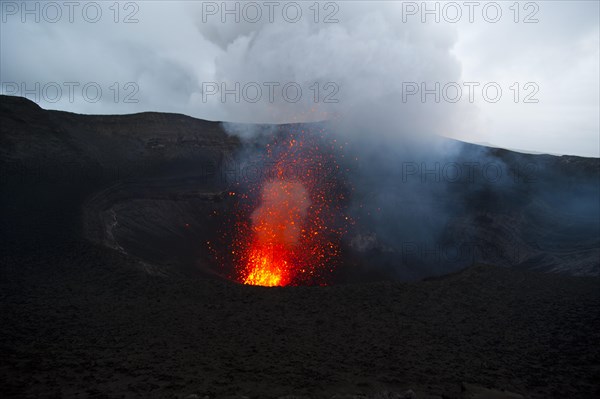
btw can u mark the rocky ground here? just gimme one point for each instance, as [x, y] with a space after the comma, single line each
[83, 321]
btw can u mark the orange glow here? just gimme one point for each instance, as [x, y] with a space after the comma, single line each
[287, 226]
[276, 232]
[266, 267]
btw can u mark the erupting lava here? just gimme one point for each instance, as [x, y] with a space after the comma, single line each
[289, 222]
[276, 225]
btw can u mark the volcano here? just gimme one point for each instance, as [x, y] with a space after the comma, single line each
[136, 249]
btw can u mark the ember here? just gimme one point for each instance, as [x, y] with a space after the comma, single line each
[289, 226]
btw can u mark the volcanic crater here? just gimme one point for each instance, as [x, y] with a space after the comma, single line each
[117, 275]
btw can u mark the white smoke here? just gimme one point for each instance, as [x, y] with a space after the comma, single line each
[367, 58]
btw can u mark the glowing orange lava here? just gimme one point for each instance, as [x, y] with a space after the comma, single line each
[267, 268]
[276, 227]
[288, 228]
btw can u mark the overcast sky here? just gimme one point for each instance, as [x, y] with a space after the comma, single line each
[365, 63]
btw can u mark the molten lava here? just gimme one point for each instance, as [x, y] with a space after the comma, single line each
[276, 227]
[289, 224]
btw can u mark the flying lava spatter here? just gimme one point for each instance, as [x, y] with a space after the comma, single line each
[288, 228]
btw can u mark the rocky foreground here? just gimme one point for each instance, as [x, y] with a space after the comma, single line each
[83, 321]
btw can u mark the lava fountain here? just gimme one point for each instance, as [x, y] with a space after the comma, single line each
[289, 223]
[276, 225]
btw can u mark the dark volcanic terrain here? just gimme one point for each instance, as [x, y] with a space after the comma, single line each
[81, 321]
[107, 288]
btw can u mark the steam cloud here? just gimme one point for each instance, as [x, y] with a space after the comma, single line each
[366, 58]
